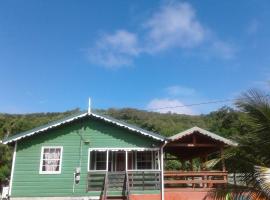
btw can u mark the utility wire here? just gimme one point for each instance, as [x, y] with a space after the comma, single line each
[203, 103]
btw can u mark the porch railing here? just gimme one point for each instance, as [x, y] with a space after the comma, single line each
[195, 179]
[96, 181]
[123, 181]
[144, 180]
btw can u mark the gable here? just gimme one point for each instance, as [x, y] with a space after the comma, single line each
[204, 135]
[77, 117]
[95, 133]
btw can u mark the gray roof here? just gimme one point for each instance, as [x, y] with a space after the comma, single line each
[80, 115]
[203, 132]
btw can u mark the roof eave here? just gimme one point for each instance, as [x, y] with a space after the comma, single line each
[111, 120]
[204, 132]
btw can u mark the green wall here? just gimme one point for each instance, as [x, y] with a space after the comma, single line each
[27, 182]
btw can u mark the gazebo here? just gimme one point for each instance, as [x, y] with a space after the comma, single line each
[195, 143]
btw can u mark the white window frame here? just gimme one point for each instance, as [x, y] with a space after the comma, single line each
[41, 160]
[123, 149]
[89, 159]
[152, 161]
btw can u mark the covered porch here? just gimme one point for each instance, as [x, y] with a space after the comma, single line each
[122, 172]
[137, 173]
[189, 150]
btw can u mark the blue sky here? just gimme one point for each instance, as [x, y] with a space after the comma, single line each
[141, 54]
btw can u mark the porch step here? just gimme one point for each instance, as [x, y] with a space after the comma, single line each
[116, 181]
[116, 197]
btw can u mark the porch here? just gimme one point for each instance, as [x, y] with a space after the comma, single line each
[129, 173]
[123, 172]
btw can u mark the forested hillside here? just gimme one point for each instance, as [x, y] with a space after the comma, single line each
[226, 121]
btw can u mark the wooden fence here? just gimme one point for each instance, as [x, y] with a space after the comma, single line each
[194, 179]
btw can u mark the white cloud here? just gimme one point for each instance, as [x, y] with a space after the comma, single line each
[115, 50]
[174, 25]
[178, 90]
[169, 105]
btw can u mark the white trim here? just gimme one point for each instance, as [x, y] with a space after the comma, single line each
[115, 157]
[162, 170]
[118, 123]
[124, 149]
[12, 168]
[107, 160]
[89, 160]
[41, 160]
[46, 128]
[126, 161]
[203, 132]
[143, 170]
[128, 127]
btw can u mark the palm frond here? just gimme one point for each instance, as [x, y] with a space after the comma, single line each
[250, 186]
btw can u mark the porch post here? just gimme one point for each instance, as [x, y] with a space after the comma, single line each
[162, 169]
[162, 172]
[126, 160]
[107, 160]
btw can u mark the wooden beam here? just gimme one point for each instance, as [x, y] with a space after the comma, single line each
[194, 139]
[192, 145]
[222, 159]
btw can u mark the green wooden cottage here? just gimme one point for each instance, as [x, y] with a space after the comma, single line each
[91, 156]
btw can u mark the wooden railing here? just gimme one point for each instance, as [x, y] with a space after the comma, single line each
[124, 182]
[96, 181]
[194, 179]
[144, 180]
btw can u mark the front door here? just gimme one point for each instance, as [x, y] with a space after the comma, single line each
[120, 161]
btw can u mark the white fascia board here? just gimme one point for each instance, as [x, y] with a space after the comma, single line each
[125, 126]
[44, 129]
[203, 132]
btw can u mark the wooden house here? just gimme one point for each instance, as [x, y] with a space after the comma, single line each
[91, 156]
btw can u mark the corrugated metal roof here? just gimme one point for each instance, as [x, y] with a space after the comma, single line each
[203, 132]
[80, 115]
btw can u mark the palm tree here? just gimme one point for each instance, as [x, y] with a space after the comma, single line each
[253, 152]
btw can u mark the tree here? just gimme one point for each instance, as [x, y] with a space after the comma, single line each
[253, 151]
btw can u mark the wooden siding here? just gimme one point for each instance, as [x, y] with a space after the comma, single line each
[28, 182]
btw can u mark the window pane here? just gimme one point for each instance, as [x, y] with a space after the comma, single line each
[98, 160]
[92, 160]
[144, 160]
[51, 159]
[130, 160]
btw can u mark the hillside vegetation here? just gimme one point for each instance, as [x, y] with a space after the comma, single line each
[226, 122]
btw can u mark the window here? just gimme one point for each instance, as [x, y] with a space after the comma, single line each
[50, 162]
[144, 160]
[98, 160]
